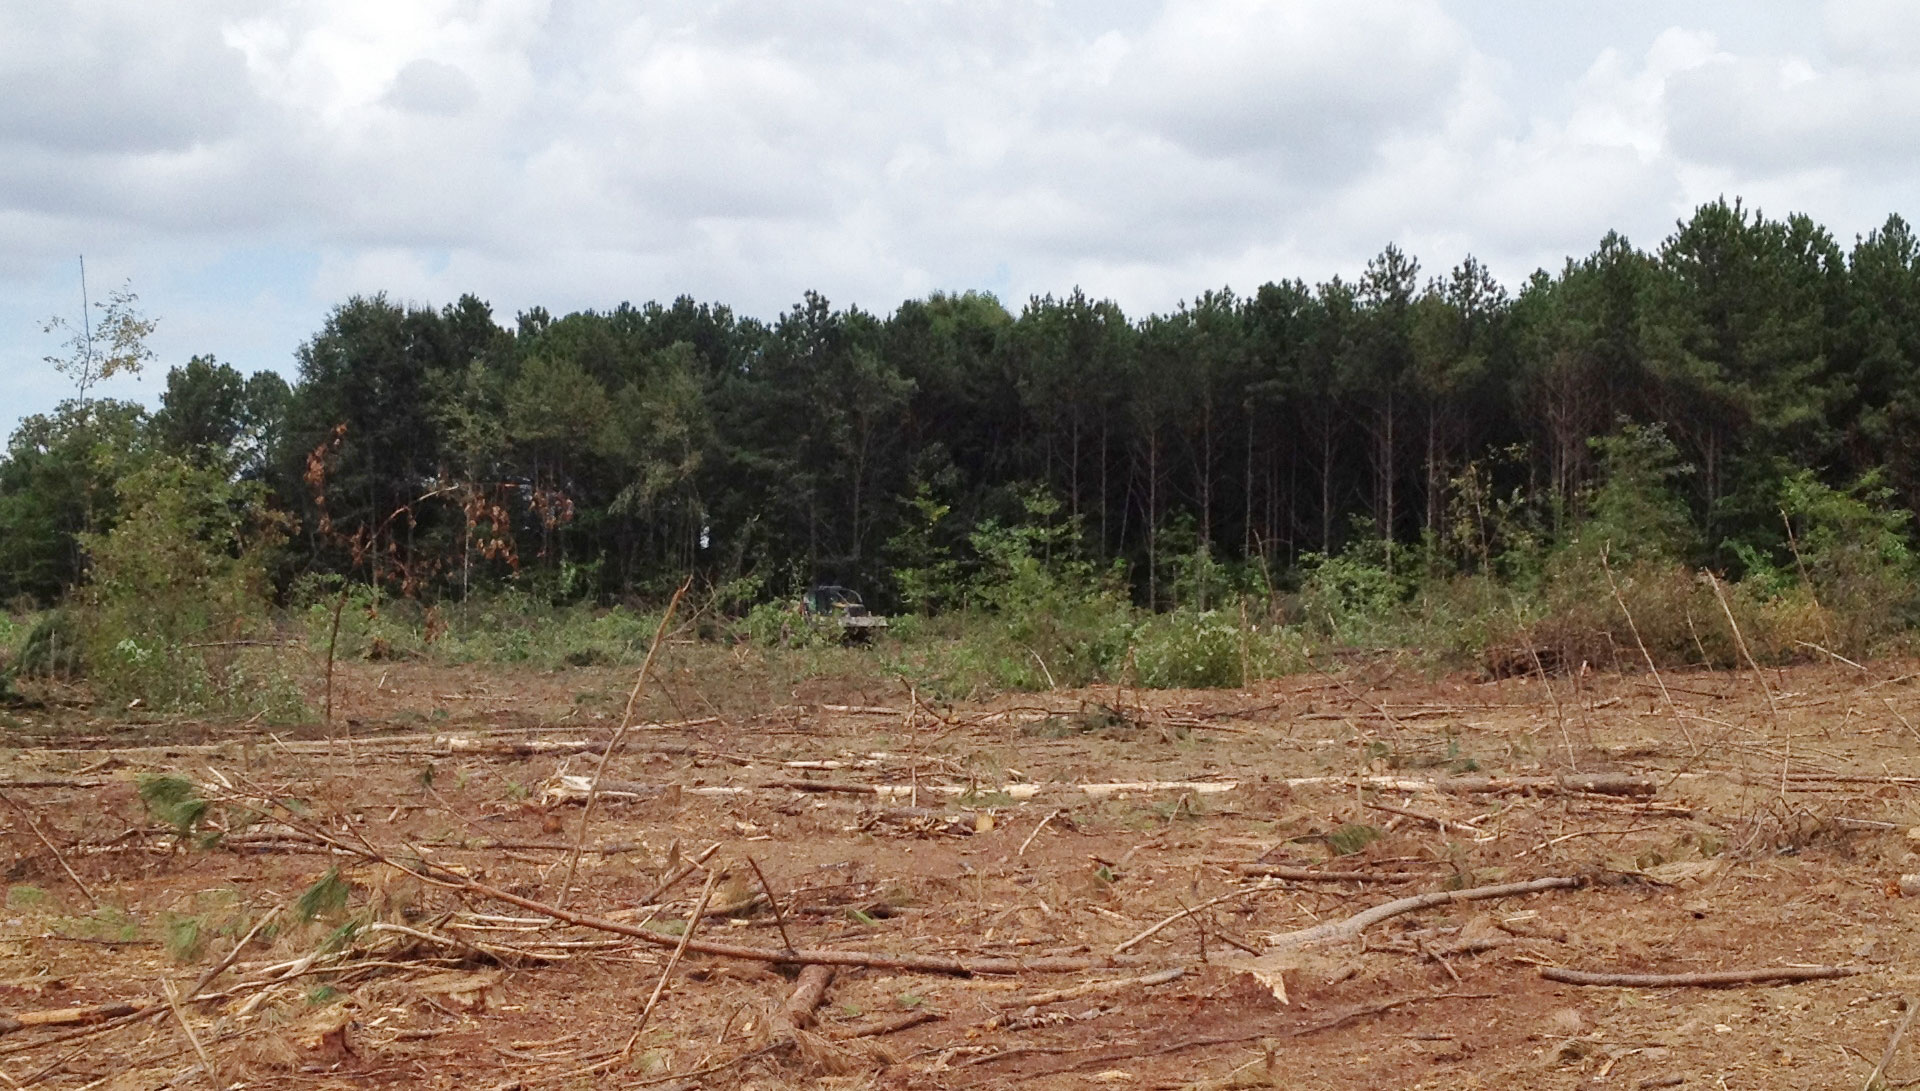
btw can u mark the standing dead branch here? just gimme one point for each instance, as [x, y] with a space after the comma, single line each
[1621, 601]
[620, 733]
[773, 902]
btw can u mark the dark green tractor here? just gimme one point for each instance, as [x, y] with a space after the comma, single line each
[841, 608]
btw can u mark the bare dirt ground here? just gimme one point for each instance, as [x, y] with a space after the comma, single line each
[1751, 823]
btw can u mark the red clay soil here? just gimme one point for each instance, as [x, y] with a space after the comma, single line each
[982, 831]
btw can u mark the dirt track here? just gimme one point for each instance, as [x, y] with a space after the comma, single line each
[1768, 841]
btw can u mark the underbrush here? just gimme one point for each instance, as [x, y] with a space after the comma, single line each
[505, 627]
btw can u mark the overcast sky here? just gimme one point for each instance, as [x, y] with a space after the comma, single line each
[248, 165]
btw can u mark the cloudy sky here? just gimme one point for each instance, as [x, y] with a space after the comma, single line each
[247, 165]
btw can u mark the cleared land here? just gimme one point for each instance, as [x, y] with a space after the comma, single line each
[1733, 823]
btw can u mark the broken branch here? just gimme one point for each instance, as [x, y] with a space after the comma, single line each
[1711, 979]
[808, 993]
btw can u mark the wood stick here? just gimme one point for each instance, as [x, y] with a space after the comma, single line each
[75, 1017]
[1189, 911]
[1339, 931]
[1317, 875]
[1235, 1039]
[173, 1002]
[808, 993]
[893, 1025]
[220, 967]
[1893, 1046]
[924, 964]
[1711, 979]
[1613, 784]
[626, 722]
[773, 901]
[839, 787]
[1092, 988]
[666, 974]
[34, 825]
[1441, 824]
[1036, 832]
[660, 889]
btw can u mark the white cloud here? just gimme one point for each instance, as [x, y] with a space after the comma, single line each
[580, 153]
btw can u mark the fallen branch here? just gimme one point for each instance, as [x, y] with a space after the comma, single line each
[33, 824]
[1711, 979]
[1893, 1047]
[1318, 875]
[660, 889]
[1323, 935]
[877, 1027]
[808, 993]
[1608, 784]
[1152, 930]
[923, 964]
[1099, 988]
[1269, 968]
[679, 949]
[1036, 831]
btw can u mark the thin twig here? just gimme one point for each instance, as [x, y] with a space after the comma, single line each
[220, 967]
[1631, 627]
[173, 1001]
[1036, 832]
[773, 900]
[1893, 1046]
[1188, 912]
[660, 889]
[686, 937]
[620, 733]
[1740, 642]
[34, 825]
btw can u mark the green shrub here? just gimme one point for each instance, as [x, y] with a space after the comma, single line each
[51, 648]
[1194, 649]
[1047, 603]
[1354, 595]
[177, 594]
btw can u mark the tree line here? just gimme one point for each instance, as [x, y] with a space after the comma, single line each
[606, 454]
